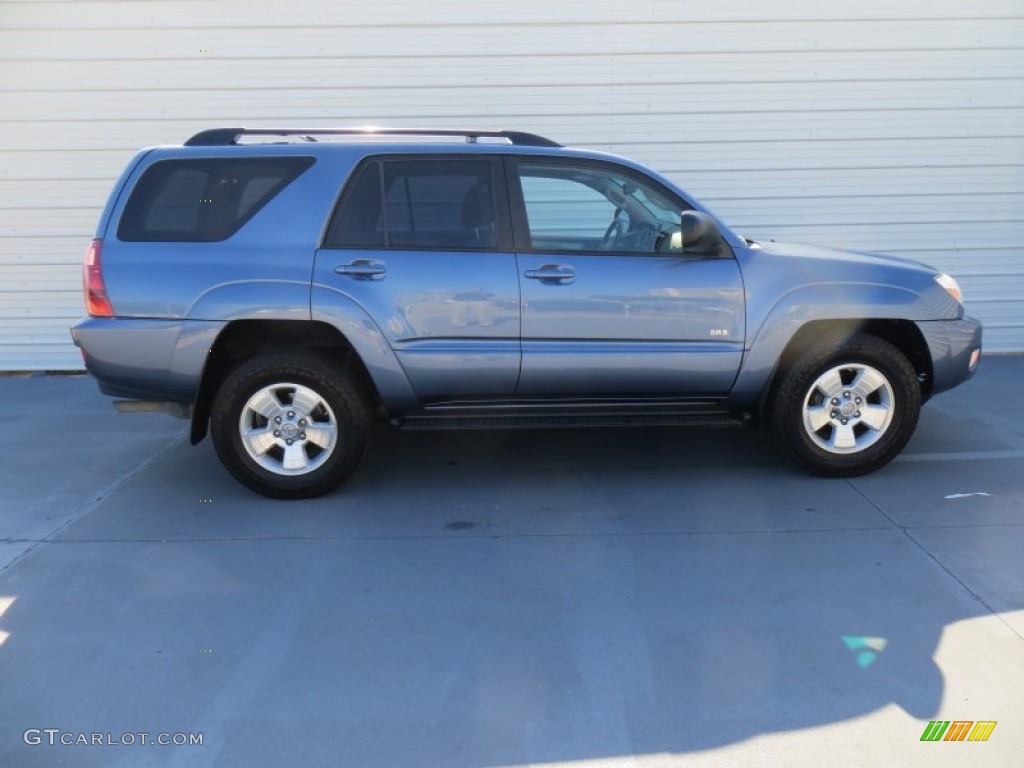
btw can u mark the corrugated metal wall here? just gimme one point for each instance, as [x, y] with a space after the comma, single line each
[890, 125]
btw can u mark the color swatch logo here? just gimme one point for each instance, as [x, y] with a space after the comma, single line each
[958, 730]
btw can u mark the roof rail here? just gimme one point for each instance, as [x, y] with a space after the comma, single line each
[219, 137]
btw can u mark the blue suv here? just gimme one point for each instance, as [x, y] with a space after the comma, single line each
[282, 291]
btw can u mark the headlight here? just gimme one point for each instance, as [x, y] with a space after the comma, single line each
[952, 286]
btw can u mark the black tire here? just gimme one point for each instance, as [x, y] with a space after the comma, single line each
[794, 392]
[341, 400]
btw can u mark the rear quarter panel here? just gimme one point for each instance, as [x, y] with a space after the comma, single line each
[171, 299]
[262, 271]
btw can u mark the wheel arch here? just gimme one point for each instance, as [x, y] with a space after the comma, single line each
[242, 339]
[905, 335]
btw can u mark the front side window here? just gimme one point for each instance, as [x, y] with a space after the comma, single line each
[419, 203]
[203, 199]
[584, 208]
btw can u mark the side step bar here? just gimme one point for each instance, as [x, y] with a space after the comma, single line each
[566, 420]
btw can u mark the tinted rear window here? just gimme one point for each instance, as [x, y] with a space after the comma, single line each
[203, 199]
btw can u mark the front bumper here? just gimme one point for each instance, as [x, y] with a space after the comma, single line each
[955, 347]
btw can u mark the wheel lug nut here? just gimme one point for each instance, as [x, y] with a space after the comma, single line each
[289, 441]
[277, 433]
[291, 414]
[835, 401]
[857, 414]
[302, 422]
[277, 419]
[856, 400]
[846, 395]
[302, 435]
[842, 422]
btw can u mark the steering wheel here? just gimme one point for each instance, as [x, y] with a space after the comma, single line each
[615, 230]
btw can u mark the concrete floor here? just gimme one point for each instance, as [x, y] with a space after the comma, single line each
[636, 598]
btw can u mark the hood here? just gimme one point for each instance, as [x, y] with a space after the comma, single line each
[797, 250]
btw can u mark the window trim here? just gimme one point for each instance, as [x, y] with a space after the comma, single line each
[302, 162]
[499, 183]
[520, 221]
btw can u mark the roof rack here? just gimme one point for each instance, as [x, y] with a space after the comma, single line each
[219, 137]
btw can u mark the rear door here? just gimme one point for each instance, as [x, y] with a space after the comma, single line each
[612, 303]
[423, 243]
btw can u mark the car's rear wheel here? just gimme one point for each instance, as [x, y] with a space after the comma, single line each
[290, 425]
[847, 407]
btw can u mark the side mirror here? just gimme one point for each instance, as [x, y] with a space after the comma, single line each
[699, 235]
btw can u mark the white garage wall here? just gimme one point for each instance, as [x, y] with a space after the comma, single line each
[889, 125]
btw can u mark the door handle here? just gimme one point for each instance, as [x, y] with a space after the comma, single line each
[552, 273]
[362, 269]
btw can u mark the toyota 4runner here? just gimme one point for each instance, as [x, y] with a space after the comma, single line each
[282, 292]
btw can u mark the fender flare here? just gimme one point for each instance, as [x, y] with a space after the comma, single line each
[853, 303]
[334, 309]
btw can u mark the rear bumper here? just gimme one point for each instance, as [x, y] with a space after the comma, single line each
[146, 359]
[952, 344]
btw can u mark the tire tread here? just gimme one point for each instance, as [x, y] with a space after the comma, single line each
[329, 377]
[787, 403]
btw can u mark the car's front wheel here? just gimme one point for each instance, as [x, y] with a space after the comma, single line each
[290, 425]
[847, 408]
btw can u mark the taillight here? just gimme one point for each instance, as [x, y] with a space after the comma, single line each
[96, 302]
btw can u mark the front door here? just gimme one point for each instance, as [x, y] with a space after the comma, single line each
[612, 305]
[421, 244]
